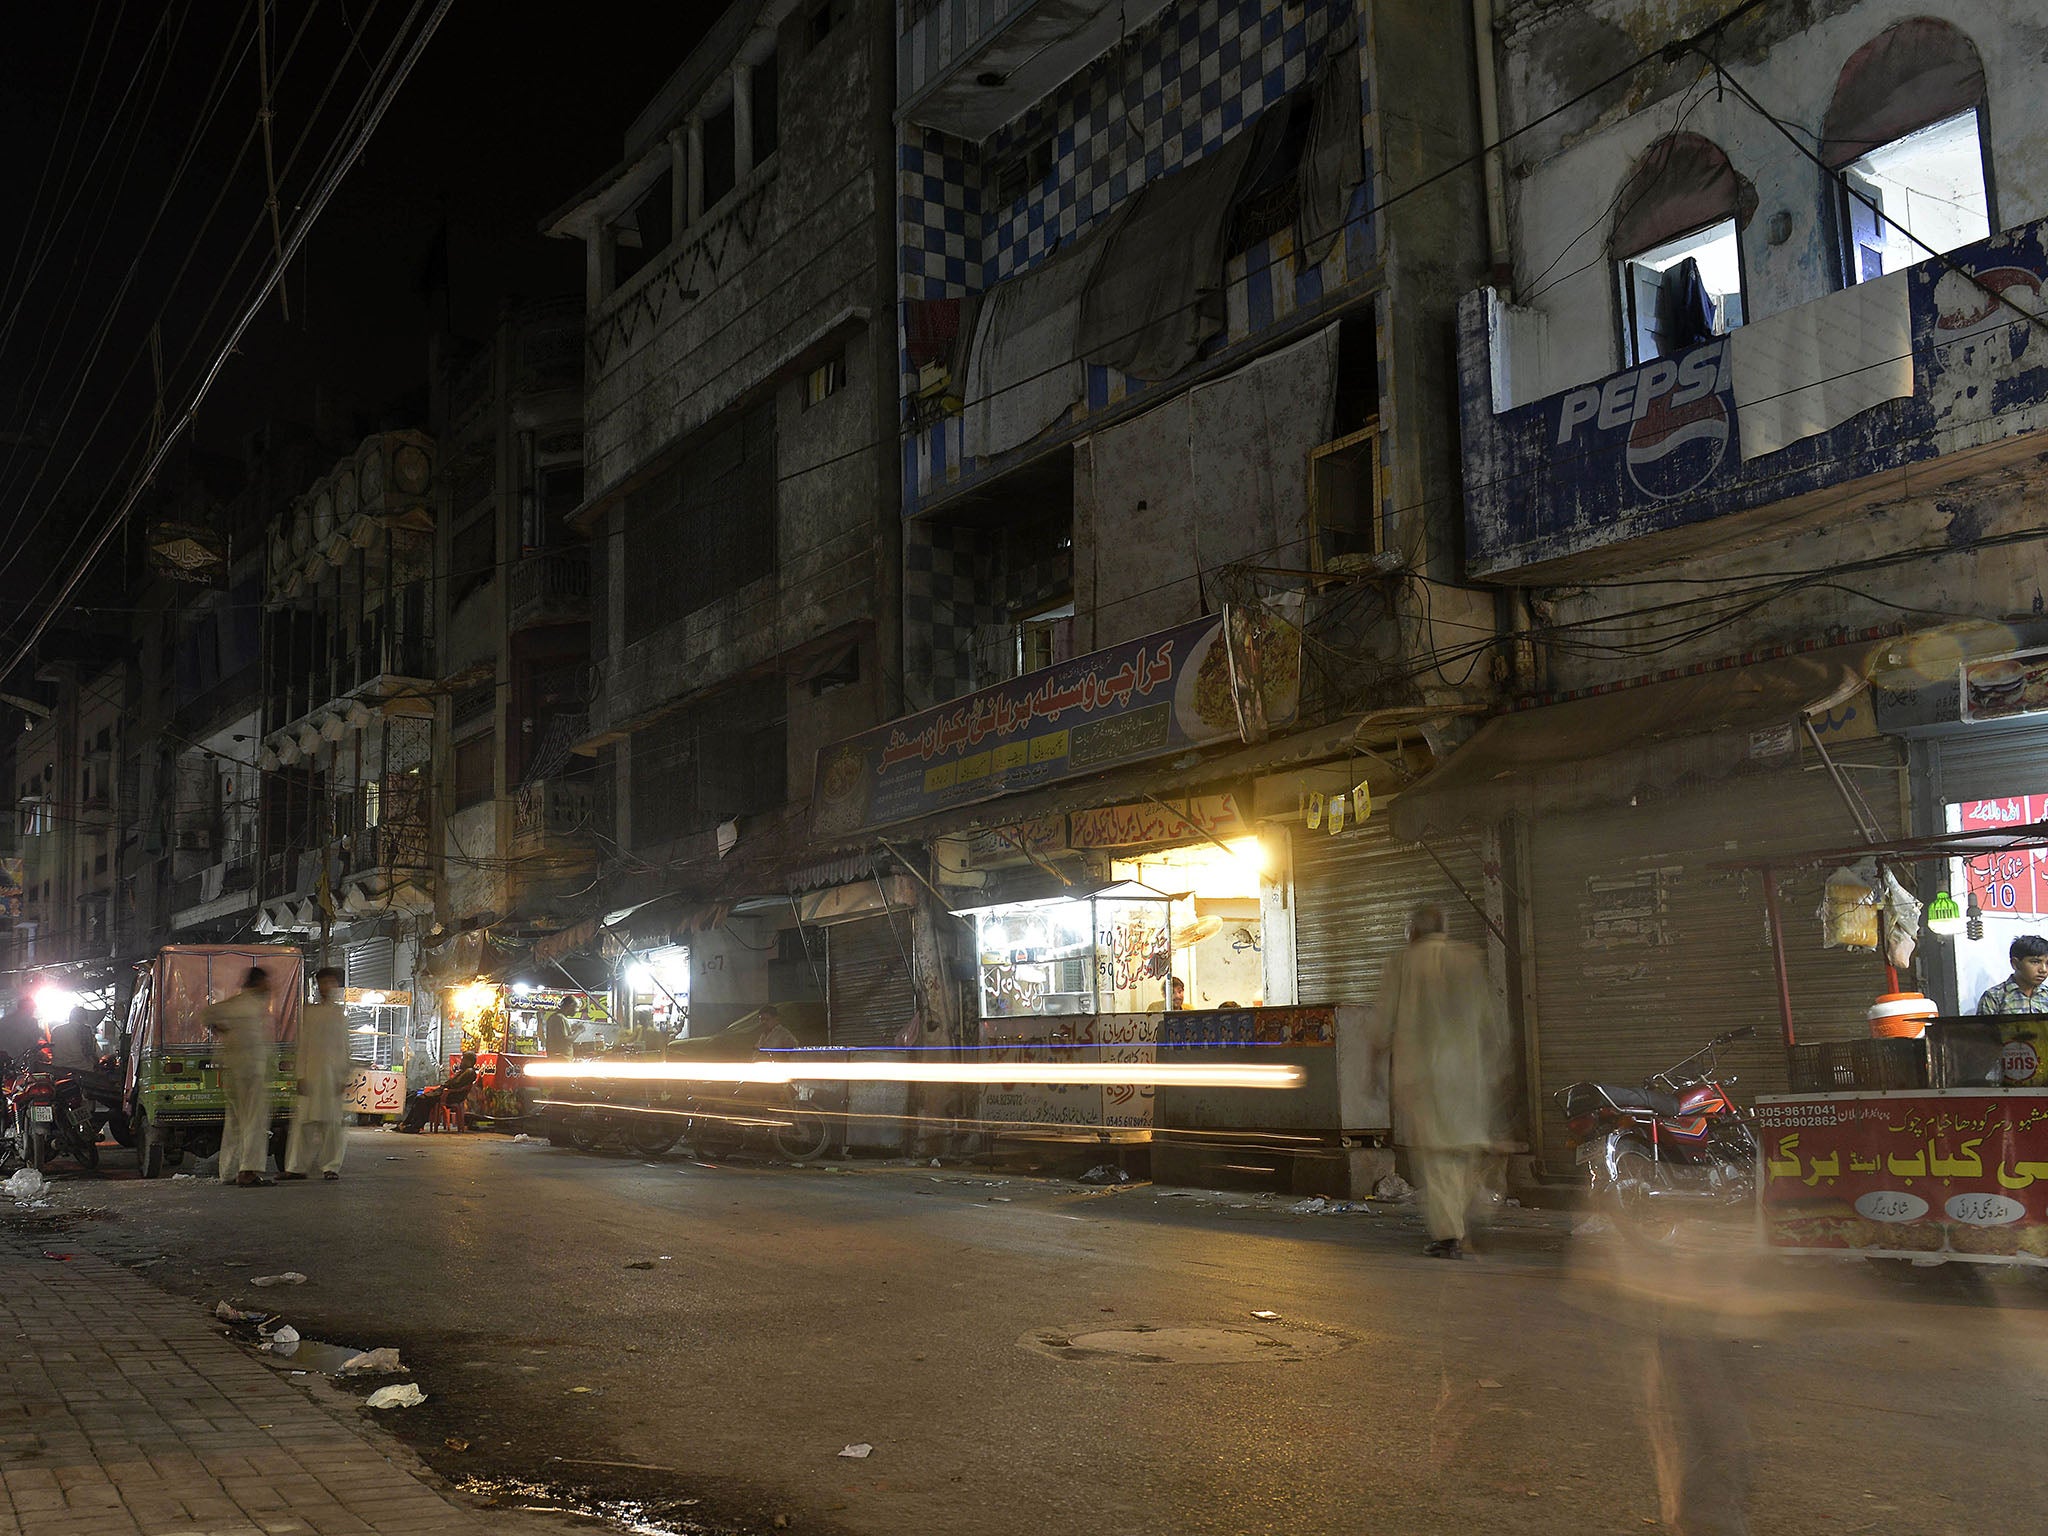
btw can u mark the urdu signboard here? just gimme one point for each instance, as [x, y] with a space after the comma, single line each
[1146, 698]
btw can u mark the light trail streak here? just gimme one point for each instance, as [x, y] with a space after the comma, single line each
[1081, 1073]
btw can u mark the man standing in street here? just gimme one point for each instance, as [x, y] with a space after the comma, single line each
[241, 1024]
[319, 1119]
[2026, 989]
[1449, 1047]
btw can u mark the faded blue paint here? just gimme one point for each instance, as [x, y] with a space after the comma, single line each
[1589, 468]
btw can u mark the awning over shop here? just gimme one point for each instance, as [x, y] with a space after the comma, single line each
[1613, 744]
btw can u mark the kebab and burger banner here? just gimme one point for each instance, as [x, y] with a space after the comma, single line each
[1908, 1175]
[1143, 699]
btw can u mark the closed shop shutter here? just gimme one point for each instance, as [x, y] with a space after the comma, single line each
[369, 963]
[1352, 897]
[868, 996]
[1643, 952]
[1991, 762]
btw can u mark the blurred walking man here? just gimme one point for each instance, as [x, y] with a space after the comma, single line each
[1449, 1047]
[319, 1119]
[241, 1024]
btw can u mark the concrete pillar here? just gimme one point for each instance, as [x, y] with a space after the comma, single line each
[680, 183]
[742, 121]
[597, 264]
[694, 132]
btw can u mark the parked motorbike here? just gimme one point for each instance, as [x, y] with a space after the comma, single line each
[47, 1114]
[714, 1118]
[1678, 1143]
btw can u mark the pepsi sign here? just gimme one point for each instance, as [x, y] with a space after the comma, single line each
[1676, 412]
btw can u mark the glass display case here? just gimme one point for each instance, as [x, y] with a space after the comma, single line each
[1105, 951]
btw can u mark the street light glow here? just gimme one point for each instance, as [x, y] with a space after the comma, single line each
[1144, 1074]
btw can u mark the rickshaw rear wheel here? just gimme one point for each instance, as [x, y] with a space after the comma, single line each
[149, 1143]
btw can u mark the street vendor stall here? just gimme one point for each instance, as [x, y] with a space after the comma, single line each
[1927, 1138]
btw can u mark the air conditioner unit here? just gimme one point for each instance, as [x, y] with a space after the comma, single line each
[195, 839]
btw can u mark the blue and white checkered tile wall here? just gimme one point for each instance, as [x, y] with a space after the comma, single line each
[1198, 74]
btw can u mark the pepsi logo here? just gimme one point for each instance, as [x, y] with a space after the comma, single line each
[1673, 449]
[1960, 303]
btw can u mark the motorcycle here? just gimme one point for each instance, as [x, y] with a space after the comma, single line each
[48, 1114]
[1679, 1142]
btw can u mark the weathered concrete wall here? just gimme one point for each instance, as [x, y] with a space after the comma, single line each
[1564, 175]
[782, 273]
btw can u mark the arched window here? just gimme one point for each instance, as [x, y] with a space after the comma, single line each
[1906, 132]
[1676, 246]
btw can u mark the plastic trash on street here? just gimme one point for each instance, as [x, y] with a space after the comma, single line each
[1393, 1187]
[1105, 1173]
[407, 1396]
[289, 1277]
[372, 1362]
[859, 1452]
[26, 1184]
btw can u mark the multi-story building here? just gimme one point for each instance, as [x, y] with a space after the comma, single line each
[1751, 420]
[740, 493]
[1177, 290]
[521, 815]
[344, 835]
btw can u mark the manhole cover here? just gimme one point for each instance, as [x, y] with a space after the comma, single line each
[1183, 1344]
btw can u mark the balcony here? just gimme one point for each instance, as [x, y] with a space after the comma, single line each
[218, 890]
[550, 588]
[968, 69]
[1895, 387]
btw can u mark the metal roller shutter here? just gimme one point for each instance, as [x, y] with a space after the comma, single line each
[370, 963]
[868, 996]
[1352, 897]
[1992, 762]
[1642, 952]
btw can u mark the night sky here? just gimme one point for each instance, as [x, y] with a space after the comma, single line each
[512, 110]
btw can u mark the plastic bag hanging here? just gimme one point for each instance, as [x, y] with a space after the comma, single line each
[1848, 910]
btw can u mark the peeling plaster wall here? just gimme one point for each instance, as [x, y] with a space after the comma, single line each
[1564, 175]
[1563, 178]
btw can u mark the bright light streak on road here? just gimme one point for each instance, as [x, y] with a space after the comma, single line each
[1141, 1074]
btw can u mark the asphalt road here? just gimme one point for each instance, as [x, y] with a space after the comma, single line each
[676, 1331]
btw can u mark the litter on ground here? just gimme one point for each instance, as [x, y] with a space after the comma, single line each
[1267, 1317]
[377, 1361]
[289, 1277]
[26, 1184]
[407, 1396]
[1105, 1173]
[1393, 1187]
[859, 1452]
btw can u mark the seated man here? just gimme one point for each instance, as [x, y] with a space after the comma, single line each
[454, 1093]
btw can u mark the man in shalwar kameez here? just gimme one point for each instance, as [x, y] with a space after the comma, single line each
[1449, 1044]
[241, 1025]
[319, 1118]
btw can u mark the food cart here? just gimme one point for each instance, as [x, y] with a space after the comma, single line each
[1931, 1147]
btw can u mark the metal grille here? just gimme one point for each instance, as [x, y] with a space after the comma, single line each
[1991, 763]
[1352, 897]
[868, 997]
[371, 963]
[1642, 952]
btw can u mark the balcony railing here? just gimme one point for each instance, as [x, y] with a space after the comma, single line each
[550, 588]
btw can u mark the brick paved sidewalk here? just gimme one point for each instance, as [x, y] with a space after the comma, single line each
[124, 1413]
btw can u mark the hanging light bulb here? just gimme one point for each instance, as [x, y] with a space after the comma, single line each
[1974, 926]
[1944, 916]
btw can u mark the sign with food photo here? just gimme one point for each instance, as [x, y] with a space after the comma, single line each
[1963, 1176]
[2003, 687]
[1147, 698]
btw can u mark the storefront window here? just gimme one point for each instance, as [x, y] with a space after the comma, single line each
[1108, 951]
[379, 1023]
[2005, 894]
[656, 985]
[550, 1021]
[1216, 936]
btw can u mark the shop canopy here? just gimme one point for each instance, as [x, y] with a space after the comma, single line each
[1603, 747]
[1118, 890]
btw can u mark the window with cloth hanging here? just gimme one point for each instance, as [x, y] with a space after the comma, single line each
[1677, 247]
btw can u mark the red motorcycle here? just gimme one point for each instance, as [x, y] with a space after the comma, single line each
[46, 1112]
[1679, 1141]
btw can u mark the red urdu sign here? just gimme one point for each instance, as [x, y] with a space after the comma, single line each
[1907, 1175]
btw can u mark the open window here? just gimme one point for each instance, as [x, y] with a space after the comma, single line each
[1678, 249]
[1905, 130]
